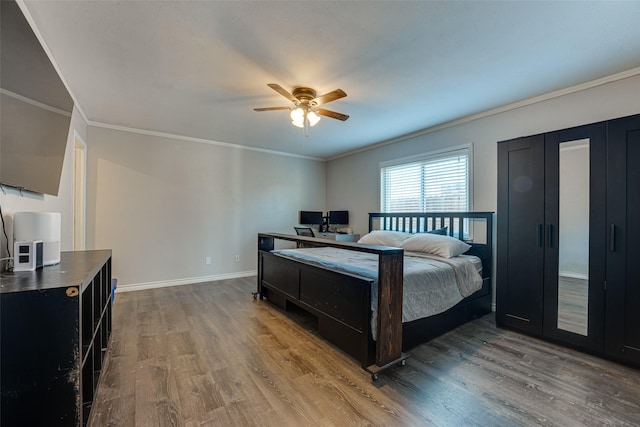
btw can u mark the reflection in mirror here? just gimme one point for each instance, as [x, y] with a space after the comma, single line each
[573, 240]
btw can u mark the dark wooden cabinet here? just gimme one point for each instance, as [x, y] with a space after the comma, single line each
[533, 280]
[55, 327]
[623, 226]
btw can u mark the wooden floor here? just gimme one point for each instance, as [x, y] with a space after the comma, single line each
[209, 354]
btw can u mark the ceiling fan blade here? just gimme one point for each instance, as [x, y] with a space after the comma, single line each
[271, 108]
[282, 92]
[332, 114]
[328, 97]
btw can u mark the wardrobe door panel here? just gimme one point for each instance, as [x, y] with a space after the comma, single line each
[520, 233]
[574, 252]
[623, 215]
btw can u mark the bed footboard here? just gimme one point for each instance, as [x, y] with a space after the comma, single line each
[340, 301]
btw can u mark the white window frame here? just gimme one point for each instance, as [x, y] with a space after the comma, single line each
[430, 156]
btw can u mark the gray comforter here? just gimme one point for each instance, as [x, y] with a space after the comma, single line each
[432, 284]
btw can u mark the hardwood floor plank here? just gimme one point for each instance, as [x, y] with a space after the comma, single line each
[209, 354]
[199, 395]
[156, 398]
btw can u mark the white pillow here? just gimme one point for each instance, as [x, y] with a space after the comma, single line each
[385, 238]
[444, 246]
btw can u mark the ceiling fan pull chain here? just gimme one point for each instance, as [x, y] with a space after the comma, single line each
[303, 142]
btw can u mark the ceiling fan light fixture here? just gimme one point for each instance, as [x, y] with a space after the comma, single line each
[313, 118]
[297, 117]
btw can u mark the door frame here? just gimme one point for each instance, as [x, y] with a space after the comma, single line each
[79, 192]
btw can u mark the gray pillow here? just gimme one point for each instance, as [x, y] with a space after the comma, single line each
[442, 231]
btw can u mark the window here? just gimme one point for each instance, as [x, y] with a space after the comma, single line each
[431, 182]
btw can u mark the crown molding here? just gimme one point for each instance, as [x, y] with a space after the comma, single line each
[197, 140]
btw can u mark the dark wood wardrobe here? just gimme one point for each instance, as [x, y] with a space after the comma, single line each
[568, 221]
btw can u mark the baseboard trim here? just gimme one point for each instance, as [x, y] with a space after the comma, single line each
[186, 281]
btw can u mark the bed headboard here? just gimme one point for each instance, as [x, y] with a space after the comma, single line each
[475, 228]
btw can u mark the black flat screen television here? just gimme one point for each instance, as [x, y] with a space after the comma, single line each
[310, 218]
[35, 108]
[339, 217]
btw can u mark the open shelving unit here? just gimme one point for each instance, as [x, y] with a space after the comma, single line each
[55, 324]
[96, 330]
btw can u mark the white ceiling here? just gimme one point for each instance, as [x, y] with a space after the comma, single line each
[198, 68]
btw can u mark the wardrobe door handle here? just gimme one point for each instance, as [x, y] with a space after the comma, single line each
[550, 235]
[612, 237]
[540, 235]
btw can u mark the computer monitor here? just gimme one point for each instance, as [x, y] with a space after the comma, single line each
[339, 217]
[310, 218]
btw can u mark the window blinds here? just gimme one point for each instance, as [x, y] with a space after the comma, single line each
[431, 183]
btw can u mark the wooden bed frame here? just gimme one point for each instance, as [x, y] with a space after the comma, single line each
[341, 302]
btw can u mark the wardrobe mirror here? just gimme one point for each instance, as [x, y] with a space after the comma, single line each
[573, 237]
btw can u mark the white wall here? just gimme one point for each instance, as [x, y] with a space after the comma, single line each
[14, 201]
[353, 181]
[163, 205]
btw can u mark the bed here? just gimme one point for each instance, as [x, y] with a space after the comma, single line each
[360, 307]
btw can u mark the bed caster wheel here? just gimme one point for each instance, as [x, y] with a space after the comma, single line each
[402, 363]
[374, 377]
[255, 295]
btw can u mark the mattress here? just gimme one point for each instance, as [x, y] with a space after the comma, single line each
[431, 284]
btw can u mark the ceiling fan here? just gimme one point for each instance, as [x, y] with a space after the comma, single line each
[305, 109]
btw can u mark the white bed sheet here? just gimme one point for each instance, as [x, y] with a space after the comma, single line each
[432, 284]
